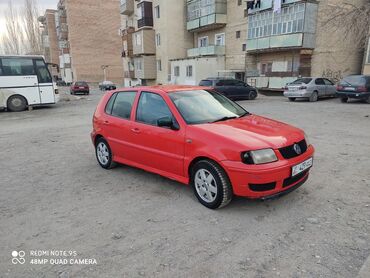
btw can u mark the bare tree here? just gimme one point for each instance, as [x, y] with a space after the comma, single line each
[13, 40]
[351, 18]
[31, 26]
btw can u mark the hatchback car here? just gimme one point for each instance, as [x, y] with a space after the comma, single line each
[354, 86]
[232, 88]
[310, 88]
[80, 87]
[197, 136]
[107, 85]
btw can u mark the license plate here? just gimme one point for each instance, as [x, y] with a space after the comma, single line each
[299, 168]
[81, 87]
[349, 88]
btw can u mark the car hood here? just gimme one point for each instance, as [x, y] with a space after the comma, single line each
[255, 132]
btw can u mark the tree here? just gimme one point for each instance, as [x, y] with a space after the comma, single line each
[31, 26]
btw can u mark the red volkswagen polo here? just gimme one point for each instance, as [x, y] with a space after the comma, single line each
[196, 136]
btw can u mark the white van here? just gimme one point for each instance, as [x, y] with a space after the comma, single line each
[25, 81]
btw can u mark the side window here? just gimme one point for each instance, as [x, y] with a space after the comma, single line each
[328, 82]
[123, 104]
[1, 68]
[319, 81]
[17, 66]
[108, 108]
[151, 108]
[43, 73]
[220, 83]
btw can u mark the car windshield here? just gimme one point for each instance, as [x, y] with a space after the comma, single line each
[201, 106]
[353, 81]
[301, 81]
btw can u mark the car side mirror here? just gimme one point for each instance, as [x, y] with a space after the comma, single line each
[167, 122]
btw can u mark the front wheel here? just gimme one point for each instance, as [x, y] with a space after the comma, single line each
[344, 99]
[292, 99]
[211, 184]
[17, 103]
[104, 154]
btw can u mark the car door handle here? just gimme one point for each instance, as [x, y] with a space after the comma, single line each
[135, 130]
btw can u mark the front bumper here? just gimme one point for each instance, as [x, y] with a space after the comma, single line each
[355, 95]
[262, 181]
[297, 94]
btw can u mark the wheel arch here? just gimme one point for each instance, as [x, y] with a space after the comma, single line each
[97, 137]
[200, 158]
[13, 94]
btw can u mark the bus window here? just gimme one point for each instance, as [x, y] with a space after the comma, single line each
[17, 66]
[43, 73]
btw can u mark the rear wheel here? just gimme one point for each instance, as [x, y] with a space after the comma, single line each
[292, 99]
[252, 95]
[104, 154]
[211, 184]
[314, 96]
[344, 99]
[17, 103]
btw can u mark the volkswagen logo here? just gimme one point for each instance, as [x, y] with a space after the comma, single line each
[297, 149]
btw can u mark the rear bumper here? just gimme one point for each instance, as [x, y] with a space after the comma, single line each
[266, 180]
[297, 94]
[353, 95]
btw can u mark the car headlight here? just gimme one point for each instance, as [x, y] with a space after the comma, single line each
[259, 157]
[308, 142]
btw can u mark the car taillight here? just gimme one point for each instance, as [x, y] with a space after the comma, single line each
[339, 88]
[361, 89]
[303, 88]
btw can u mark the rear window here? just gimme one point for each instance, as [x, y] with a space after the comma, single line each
[81, 83]
[205, 83]
[354, 80]
[302, 81]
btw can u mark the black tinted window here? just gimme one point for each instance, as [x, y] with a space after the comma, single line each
[233, 82]
[81, 83]
[18, 66]
[43, 73]
[319, 81]
[108, 108]
[354, 80]
[123, 104]
[205, 83]
[151, 108]
[302, 81]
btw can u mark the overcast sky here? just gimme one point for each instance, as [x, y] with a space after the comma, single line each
[43, 4]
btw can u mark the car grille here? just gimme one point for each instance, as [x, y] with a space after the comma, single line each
[289, 152]
[291, 180]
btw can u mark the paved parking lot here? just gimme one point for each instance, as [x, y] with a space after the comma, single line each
[54, 196]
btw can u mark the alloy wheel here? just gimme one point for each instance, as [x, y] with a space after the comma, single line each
[205, 185]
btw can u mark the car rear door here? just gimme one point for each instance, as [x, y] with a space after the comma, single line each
[330, 89]
[158, 148]
[320, 87]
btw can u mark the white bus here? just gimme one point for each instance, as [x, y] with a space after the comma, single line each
[25, 81]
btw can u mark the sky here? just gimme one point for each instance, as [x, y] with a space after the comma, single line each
[43, 4]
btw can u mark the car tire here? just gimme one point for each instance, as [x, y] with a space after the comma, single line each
[368, 100]
[291, 99]
[211, 185]
[314, 97]
[104, 154]
[16, 103]
[344, 99]
[252, 95]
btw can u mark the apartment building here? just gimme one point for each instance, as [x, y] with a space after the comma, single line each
[297, 41]
[366, 66]
[88, 41]
[50, 40]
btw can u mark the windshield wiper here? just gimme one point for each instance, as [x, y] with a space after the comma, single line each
[224, 119]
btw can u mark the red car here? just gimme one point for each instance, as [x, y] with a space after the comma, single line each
[196, 136]
[80, 87]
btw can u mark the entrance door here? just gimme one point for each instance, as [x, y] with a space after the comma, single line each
[46, 87]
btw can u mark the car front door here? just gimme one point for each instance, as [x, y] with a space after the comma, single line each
[320, 87]
[46, 88]
[157, 148]
[330, 88]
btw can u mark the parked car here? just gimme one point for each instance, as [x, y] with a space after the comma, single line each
[354, 86]
[232, 88]
[310, 88]
[107, 86]
[197, 136]
[80, 87]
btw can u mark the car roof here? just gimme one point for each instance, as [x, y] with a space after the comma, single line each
[167, 88]
[219, 78]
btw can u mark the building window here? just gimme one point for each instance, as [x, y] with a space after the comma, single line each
[157, 12]
[266, 68]
[266, 24]
[176, 71]
[203, 42]
[138, 65]
[159, 65]
[137, 39]
[244, 47]
[158, 39]
[189, 71]
[220, 39]
[240, 2]
[200, 8]
[237, 35]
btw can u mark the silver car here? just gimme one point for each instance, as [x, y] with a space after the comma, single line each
[311, 88]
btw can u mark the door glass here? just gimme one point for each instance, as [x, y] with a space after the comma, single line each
[319, 81]
[151, 108]
[43, 73]
[123, 104]
[328, 82]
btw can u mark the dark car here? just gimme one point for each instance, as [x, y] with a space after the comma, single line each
[80, 87]
[232, 88]
[107, 86]
[354, 86]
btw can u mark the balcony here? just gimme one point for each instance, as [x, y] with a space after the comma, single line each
[143, 42]
[129, 74]
[127, 7]
[146, 19]
[206, 15]
[145, 22]
[212, 50]
[145, 67]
